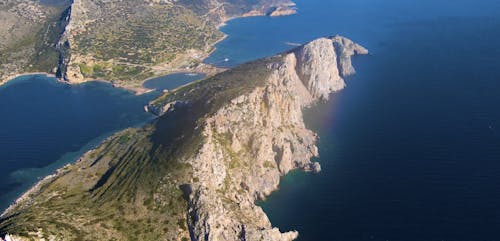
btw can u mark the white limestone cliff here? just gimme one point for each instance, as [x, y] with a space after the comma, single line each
[260, 136]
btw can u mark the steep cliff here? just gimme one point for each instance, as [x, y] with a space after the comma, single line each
[258, 136]
[196, 172]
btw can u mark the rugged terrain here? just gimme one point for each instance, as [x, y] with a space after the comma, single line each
[29, 32]
[123, 41]
[196, 172]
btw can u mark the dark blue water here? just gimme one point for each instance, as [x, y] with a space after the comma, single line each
[410, 150]
[46, 124]
[54, 2]
[172, 81]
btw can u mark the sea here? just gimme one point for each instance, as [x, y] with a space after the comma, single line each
[172, 81]
[410, 150]
[45, 124]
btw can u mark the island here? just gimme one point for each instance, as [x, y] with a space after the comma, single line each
[196, 172]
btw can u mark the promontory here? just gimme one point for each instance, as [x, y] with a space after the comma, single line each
[196, 172]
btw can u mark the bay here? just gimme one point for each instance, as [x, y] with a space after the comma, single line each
[46, 124]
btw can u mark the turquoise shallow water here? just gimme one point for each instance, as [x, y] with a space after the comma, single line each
[410, 150]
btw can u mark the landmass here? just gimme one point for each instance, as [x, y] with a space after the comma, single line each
[121, 41]
[28, 36]
[195, 173]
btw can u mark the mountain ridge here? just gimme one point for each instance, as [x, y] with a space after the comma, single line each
[195, 172]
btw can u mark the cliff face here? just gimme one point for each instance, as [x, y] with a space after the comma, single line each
[218, 146]
[258, 137]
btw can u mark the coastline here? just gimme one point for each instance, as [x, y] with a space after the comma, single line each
[35, 188]
[202, 68]
[62, 169]
[11, 77]
[136, 90]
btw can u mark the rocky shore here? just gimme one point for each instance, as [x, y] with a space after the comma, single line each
[259, 136]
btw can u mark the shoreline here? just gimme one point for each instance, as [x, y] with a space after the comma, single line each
[212, 69]
[38, 185]
[25, 196]
[136, 91]
[34, 189]
[11, 77]
[202, 68]
[89, 147]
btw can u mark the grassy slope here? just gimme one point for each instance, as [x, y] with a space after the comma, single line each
[129, 187]
[117, 192]
[209, 94]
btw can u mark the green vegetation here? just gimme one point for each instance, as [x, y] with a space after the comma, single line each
[117, 192]
[133, 36]
[208, 95]
[110, 71]
[28, 44]
[147, 35]
[269, 164]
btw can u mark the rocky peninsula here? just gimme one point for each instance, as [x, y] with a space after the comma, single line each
[196, 172]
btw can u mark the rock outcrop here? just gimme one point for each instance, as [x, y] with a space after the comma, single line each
[258, 137]
[283, 10]
[237, 133]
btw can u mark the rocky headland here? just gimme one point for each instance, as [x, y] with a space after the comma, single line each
[196, 172]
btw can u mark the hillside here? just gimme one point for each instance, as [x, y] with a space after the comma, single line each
[196, 172]
[28, 36]
[123, 41]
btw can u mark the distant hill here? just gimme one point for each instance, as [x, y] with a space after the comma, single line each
[124, 41]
